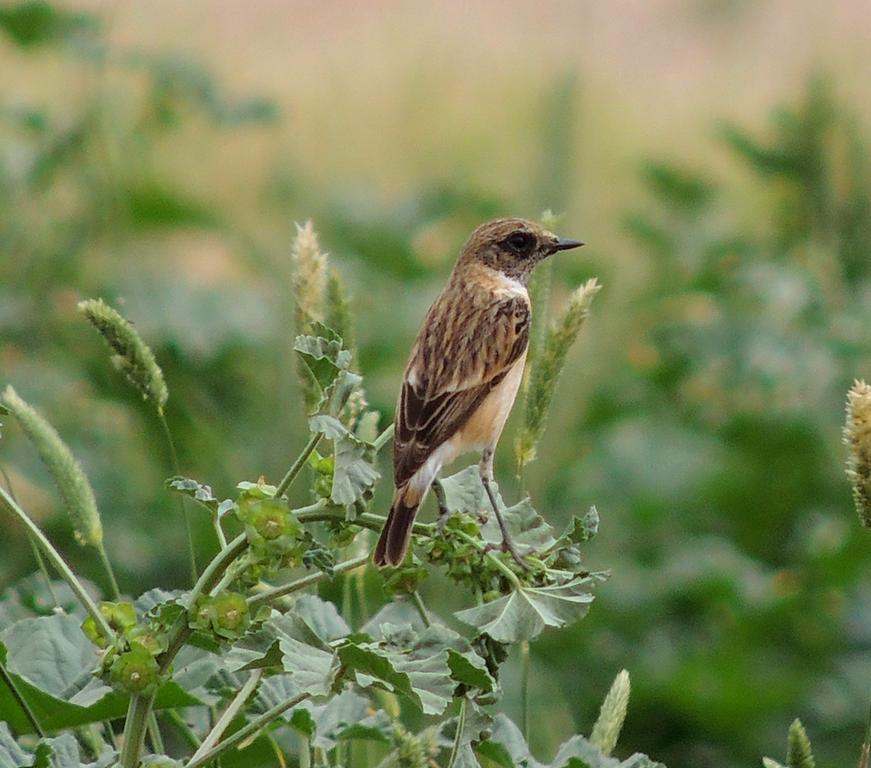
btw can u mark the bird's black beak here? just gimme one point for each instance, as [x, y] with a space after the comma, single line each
[566, 245]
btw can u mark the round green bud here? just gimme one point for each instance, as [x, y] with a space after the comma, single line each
[135, 671]
[230, 616]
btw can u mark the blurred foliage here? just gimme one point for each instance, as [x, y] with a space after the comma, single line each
[702, 417]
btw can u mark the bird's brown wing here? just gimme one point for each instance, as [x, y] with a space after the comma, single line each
[466, 347]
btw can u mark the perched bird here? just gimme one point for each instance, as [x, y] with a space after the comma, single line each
[464, 371]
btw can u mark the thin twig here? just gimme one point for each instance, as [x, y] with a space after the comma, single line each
[176, 468]
[297, 465]
[270, 595]
[59, 565]
[110, 573]
[229, 713]
[36, 553]
[421, 608]
[243, 733]
[184, 730]
[383, 438]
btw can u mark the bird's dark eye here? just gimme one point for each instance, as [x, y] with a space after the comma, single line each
[520, 242]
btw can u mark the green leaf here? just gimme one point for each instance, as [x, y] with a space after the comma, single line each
[506, 746]
[345, 717]
[323, 357]
[63, 752]
[200, 493]
[464, 493]
[52, 661]
[289, 642]
[416, 667]
[525, 612]
[578, 752]
[51, 653]
[354, 473]
[321, 617]
[11, 755]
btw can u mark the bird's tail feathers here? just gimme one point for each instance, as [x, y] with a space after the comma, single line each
[393, 543]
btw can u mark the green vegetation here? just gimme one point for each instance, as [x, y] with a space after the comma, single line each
[700, 410]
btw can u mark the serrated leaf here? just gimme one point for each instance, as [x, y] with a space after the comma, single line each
[578, 752]
[289, 642]
[353, 471]
[321, 617]
[581, 529]
[416, 667]
[63, 752]
[323, 357]
[525, 612]
[155, 601]
[343, 717]
[199, 492]
[464, 493]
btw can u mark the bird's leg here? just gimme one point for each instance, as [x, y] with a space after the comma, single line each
[486, 470]
[444, 513]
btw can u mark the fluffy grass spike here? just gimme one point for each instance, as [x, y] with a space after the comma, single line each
[310, 275]
[132, 355]
[547, 368]
[607, 729]
[857, 436]
[798, 753]
[73, 485]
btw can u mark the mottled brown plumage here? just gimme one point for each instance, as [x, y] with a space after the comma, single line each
[465, 368]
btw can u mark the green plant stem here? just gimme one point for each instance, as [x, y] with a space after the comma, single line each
[134, 730]
[25, 707]
[140, 707]
[524, 689]
[270, 595]
[176, 468]
[209, 577]
[383, 438]
[154, 734]
[509, 574]
[59, 565]
[40, 561]
[305, 751]
[421, 608]
[110, 573]
[318, 513]
[865, 756]
[219, 531]
[461, 722]
[184, 730]
[36, 553]
[297, 465]
[229, 713]
[244, 732]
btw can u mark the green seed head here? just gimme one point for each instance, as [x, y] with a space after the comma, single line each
[70, 479]
[857, 436]
[132, 355]
[135, 671]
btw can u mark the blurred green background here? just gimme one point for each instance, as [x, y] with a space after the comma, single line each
[714, 156]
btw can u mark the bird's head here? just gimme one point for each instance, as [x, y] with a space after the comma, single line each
[513, 246]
